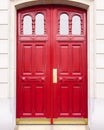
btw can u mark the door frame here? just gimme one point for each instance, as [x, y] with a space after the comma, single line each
[89, 6]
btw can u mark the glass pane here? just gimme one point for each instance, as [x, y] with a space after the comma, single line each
[27, 25]
[76, 25]
[64, 24]
[39, 30]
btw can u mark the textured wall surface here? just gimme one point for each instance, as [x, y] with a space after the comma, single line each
[99, 49]
[4, 50]
[8, 55]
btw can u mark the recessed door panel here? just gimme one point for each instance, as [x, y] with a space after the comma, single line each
[64, 100]
[64, 59]
[26, 59]
[52, 64]
[27, 100]
[39, 59]
[76, 100]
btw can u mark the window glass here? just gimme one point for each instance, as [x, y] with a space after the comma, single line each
[64, 24]
[27, 25]
[76, 25]
[39, 24]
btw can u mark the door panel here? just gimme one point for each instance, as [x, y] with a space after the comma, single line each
[26, 100]
[33, 72]
[70, 60]
[52, 64]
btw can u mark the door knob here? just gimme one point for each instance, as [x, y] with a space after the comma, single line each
[54, 75]
[23, 78]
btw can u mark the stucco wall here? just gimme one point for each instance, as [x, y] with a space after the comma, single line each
[4, 50]
[99, 89]
[95, 48]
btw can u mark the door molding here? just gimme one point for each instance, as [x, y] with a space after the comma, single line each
[86, 4]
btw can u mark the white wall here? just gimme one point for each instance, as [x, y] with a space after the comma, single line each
[99, 89]
[8, 46]
[4, 50]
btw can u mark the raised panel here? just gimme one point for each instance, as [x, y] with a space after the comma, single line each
[76, 100]
[64, 59]
[39, 100]
[27, 100]
[76, 59]
[39, 59]
[27, 59]
[64, 100]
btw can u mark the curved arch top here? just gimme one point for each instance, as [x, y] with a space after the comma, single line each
[77, 3]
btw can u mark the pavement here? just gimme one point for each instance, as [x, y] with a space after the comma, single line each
[52, 127]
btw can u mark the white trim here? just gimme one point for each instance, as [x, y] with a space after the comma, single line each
[87, 4]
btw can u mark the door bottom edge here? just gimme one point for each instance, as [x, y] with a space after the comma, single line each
[32, 121]
[70, 121]
[56, 121]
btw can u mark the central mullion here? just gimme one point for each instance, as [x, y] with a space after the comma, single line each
[51, 60]
[54, 67]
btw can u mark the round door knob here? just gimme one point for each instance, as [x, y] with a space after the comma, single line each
[79, 78]
[23, 78]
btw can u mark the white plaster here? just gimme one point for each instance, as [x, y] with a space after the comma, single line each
[100, 60]
[97, 122]
[4, 60]
[6, 115]
[100, 46]
[100, 17]
[100, 90]
[4, 4]
[4, 75]
[100, 31]
[3, 17]
[3, 31]
[4, 46]
[100, 75]
[100, 4]
[4, 90]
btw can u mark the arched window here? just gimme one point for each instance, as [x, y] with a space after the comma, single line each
[39, 24]
[27, 25]
[76, 25]
[64, 24]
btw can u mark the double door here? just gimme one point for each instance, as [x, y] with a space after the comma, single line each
[51, 65]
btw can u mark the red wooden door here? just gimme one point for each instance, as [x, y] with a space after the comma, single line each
[52, 63]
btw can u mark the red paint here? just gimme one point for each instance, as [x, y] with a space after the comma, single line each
[37, 95]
